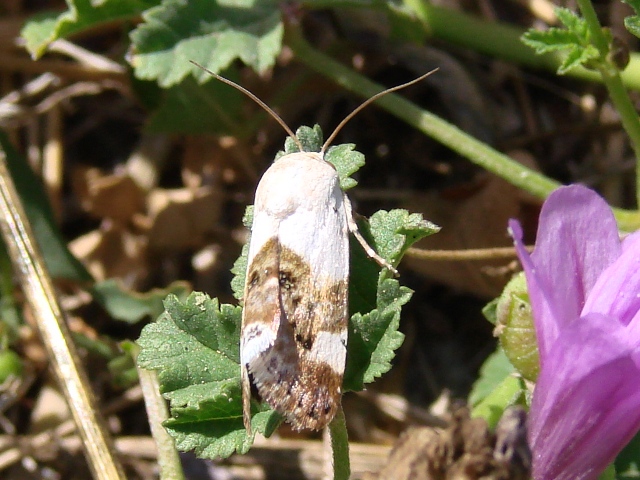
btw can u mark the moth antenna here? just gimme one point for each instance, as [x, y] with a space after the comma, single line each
[255, 98]
[367, 102]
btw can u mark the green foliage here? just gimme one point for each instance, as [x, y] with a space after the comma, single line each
[191, 108]
[213, 34]
[574, 39]
[194, 346]
[493, 372]
[633, 22]
[58, 259]
[129, 306]
[11, 365]
[40, 31]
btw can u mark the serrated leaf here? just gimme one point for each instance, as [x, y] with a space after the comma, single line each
[633, 25]
[192, 343]
[578, 56]
[374, 337]
[194, 346]
[395, 231]
[347, 162]
[213, 34]
[129, 306]
[572, 21]
[44, 28]
[550, 40]
[310, 138]
[193, 429]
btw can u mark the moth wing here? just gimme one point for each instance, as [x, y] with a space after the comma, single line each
[310, 349]
[294, 334]
[262, 311]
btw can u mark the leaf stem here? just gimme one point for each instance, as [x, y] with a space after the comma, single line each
[340, 446]
[157, 412]
[435, 127]
[612, 80]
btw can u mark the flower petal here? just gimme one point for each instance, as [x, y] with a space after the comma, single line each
[617, 290]
[586, 404]
[544, 315]
[577, 239]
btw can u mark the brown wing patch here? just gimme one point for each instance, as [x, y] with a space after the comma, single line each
[292, 376]
[261, 313]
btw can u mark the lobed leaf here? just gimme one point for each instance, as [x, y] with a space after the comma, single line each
[81, 15]
[213, 34]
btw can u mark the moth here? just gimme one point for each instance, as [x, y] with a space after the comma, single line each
[293, 343]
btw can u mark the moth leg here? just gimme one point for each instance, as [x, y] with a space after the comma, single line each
[353, 228]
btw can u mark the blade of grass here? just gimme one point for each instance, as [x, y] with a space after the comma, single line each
[38, 289]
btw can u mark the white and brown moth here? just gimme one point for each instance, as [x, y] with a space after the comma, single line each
[293, 344]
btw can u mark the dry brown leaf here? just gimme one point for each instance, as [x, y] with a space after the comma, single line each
[116, 197]
[112, 251]
[465, 450]
[182, 218]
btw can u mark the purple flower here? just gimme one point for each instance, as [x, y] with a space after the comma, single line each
[584, 287]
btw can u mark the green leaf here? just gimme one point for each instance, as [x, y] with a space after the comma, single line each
[578, 56]
[44, 28]
[573, 22]
[310, 138]
[130, 306]
[494, 371]
[58, 259]
[191, 108]
[633, 25]
[635, 4]
[551, 40]
[374, 337]
[213, 34]
[633, 22]
[574, 40]
[511, 391]
[194, 346]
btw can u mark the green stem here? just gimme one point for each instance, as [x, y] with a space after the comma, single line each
[157, 413]
[611, 78]
[340, 446]
[437, 128]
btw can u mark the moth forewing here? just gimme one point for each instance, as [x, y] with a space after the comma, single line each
[294, 324]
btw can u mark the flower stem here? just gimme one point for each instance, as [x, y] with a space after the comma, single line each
[612, 80]
[340, 446]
